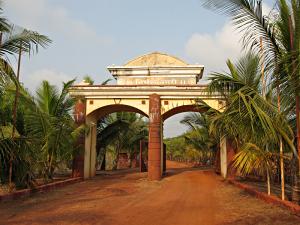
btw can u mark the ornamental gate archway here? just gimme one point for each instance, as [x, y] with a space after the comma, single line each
[155, 85]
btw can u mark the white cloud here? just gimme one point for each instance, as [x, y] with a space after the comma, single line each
[212, 50]
[42, 16]
[55, 78]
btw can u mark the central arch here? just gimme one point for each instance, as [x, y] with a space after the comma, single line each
[108, 109]
[90, 154]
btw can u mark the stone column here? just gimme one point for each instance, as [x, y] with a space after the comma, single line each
[90, 148]
[78, 161]
[154, 145]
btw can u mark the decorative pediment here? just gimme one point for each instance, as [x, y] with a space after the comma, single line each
[157, 69]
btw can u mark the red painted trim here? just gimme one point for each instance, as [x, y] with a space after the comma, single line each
[267, 198]
[42, 188]
[150, 85]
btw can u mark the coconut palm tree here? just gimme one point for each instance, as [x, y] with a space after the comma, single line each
[50, 124]
[122, 131]
[16, 40]
[248, 118]
[198, 135]
[280, 35]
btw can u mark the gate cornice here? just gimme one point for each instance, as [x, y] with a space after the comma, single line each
[137, 91]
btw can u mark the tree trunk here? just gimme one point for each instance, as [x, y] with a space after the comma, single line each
[296, 187]
[268, 182]
[15, 106]
[282, 171]
[280, 147]
[103, 164]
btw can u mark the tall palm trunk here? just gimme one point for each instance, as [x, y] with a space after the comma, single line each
[280, 138]
[268, 182]
[281, 152]
[15, 106]
[263, 82]
[268, 176]
[297, 175]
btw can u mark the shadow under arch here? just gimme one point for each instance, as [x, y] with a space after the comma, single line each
[180, 109]
[108, 109]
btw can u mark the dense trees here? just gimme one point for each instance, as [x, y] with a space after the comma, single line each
[120, 133]
[197, 145]
[14, 40]
[45, 133]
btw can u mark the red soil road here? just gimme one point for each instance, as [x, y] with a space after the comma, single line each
[185, 197]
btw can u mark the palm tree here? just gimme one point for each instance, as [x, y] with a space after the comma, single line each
[176, 148]
[122, 131]
[248, 118]
[88, 79]
[51, 125]
[16, 40]
[280, 36]
[198, 136]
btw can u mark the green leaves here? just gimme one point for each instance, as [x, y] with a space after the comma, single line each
[122, 132]
[250, 22]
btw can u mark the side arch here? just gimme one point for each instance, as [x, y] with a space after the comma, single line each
[172, 107]
[180, 109]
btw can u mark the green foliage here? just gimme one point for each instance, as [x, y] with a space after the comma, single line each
[51, 125]
[88, 79]
[46, 133]
[176, 147]
[255, 118]
[196, 145]
[18, 148]
[121, 133]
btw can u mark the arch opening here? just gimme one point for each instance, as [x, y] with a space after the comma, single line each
[180, 109]
[192, 146]
[108, 126]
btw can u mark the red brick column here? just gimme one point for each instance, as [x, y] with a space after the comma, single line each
[154, 145]
[78, 161]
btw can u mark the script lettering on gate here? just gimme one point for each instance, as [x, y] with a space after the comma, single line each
[156, 81]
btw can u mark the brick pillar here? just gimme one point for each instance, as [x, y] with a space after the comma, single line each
[78, 161]
[154, 145]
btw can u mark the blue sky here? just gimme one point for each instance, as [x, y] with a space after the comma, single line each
[90, 35]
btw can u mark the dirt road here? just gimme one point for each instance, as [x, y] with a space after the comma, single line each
[185, 197]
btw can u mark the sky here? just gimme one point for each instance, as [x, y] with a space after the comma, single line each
[90, 35]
